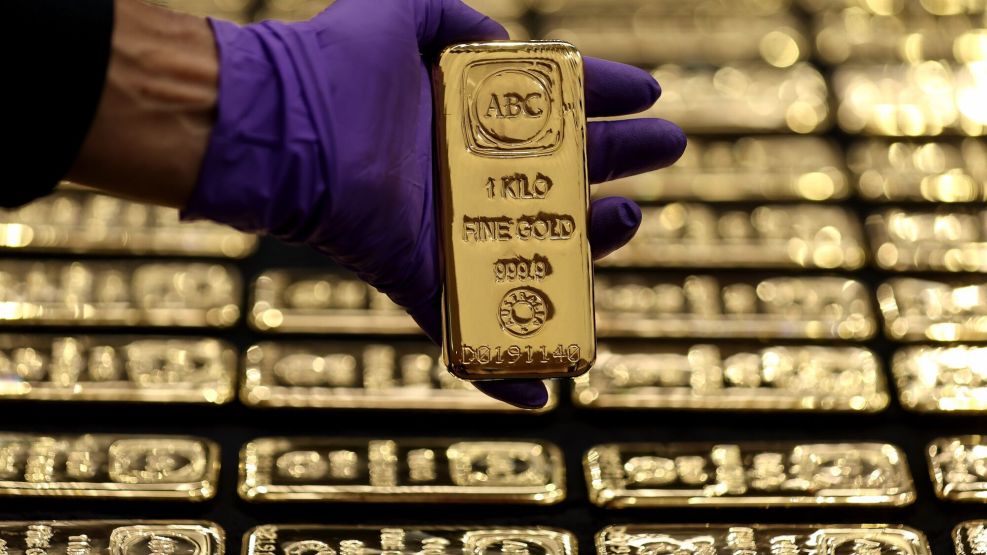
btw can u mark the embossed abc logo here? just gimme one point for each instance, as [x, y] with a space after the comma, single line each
[512, 106]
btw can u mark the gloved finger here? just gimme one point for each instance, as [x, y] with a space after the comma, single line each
[527, 394]
[615, 89]
[613, 221]
[444, 22]
[626, 147]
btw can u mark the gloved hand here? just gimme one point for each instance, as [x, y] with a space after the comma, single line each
[324, 137]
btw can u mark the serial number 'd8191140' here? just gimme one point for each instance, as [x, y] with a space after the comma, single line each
[517, 354]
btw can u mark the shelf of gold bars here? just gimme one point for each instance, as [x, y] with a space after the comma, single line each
[821, 246]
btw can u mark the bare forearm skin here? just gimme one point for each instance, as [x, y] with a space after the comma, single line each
[158, 107]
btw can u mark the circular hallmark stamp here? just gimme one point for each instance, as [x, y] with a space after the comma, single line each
[512, 106]
[523, 311]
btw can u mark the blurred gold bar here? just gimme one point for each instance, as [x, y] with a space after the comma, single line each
[121, 293]
[743, 98]
[944, 239]
[701, 306]
[513, 210]
[907, 100]
[934, 7]
[969, 537]
[116, 368]
[685, 235]
[111, 537]
[361, 374]
[920, 171]
[941, 379]
[401, 471]
[291, 539]
[746, 377]
[75, 221]
[324, 302]
[648, 36]
[762, 539]
[917, 309]
[910, 35]
[958, 466]
[779, 474]
[112, 466]
[747, 169]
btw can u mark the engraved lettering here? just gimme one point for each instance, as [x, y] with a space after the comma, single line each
[540, 227]
[521, 268]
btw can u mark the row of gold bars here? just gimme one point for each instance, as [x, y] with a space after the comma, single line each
[408, 374]
[434, 470]
[206, 538]
[669, 305]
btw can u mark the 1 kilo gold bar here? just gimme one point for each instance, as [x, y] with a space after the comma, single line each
[114, 368]
[111, 466]
[401, 471]
[957, 466]
[361, 374]
[969, 537]
[941, 379]
[514, 199]
[762, 539]
[761, 474]
[111, 537]
[293, 539]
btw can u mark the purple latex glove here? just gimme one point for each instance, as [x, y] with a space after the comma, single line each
[324, 137]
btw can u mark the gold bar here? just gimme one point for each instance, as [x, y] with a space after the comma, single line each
[295, 539]
[743, 98]
[110, 466]
[970, 537]
[116, 368]
[762, 539]
[917, 309]
[944, 239]
[958, 466]
[907, 100]
[324, 302]
[111, 537]
[514, 201]
[748, 169]
[75, 221]
[733, 377]
[917, 170]
[684, 235]
[401, 471]
[361, 375]
[706, 306]
[648, 36]
[941, 379]
[949, 7]
[911, 35]
[89, 294]
[777, 474]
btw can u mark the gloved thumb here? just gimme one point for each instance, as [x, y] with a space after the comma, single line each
[445, 22]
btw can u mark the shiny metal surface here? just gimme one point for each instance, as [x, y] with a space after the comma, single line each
[779, 474]
[958, 466]
[513, 198]
[401, 471]
[733, 377]
[942, 240]
[941, 379]
[970, 538]
[920, 170]
[361, 374]
[117, 368]
[109, 466]
[111, 537]
[290, 539]
[918, 309]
